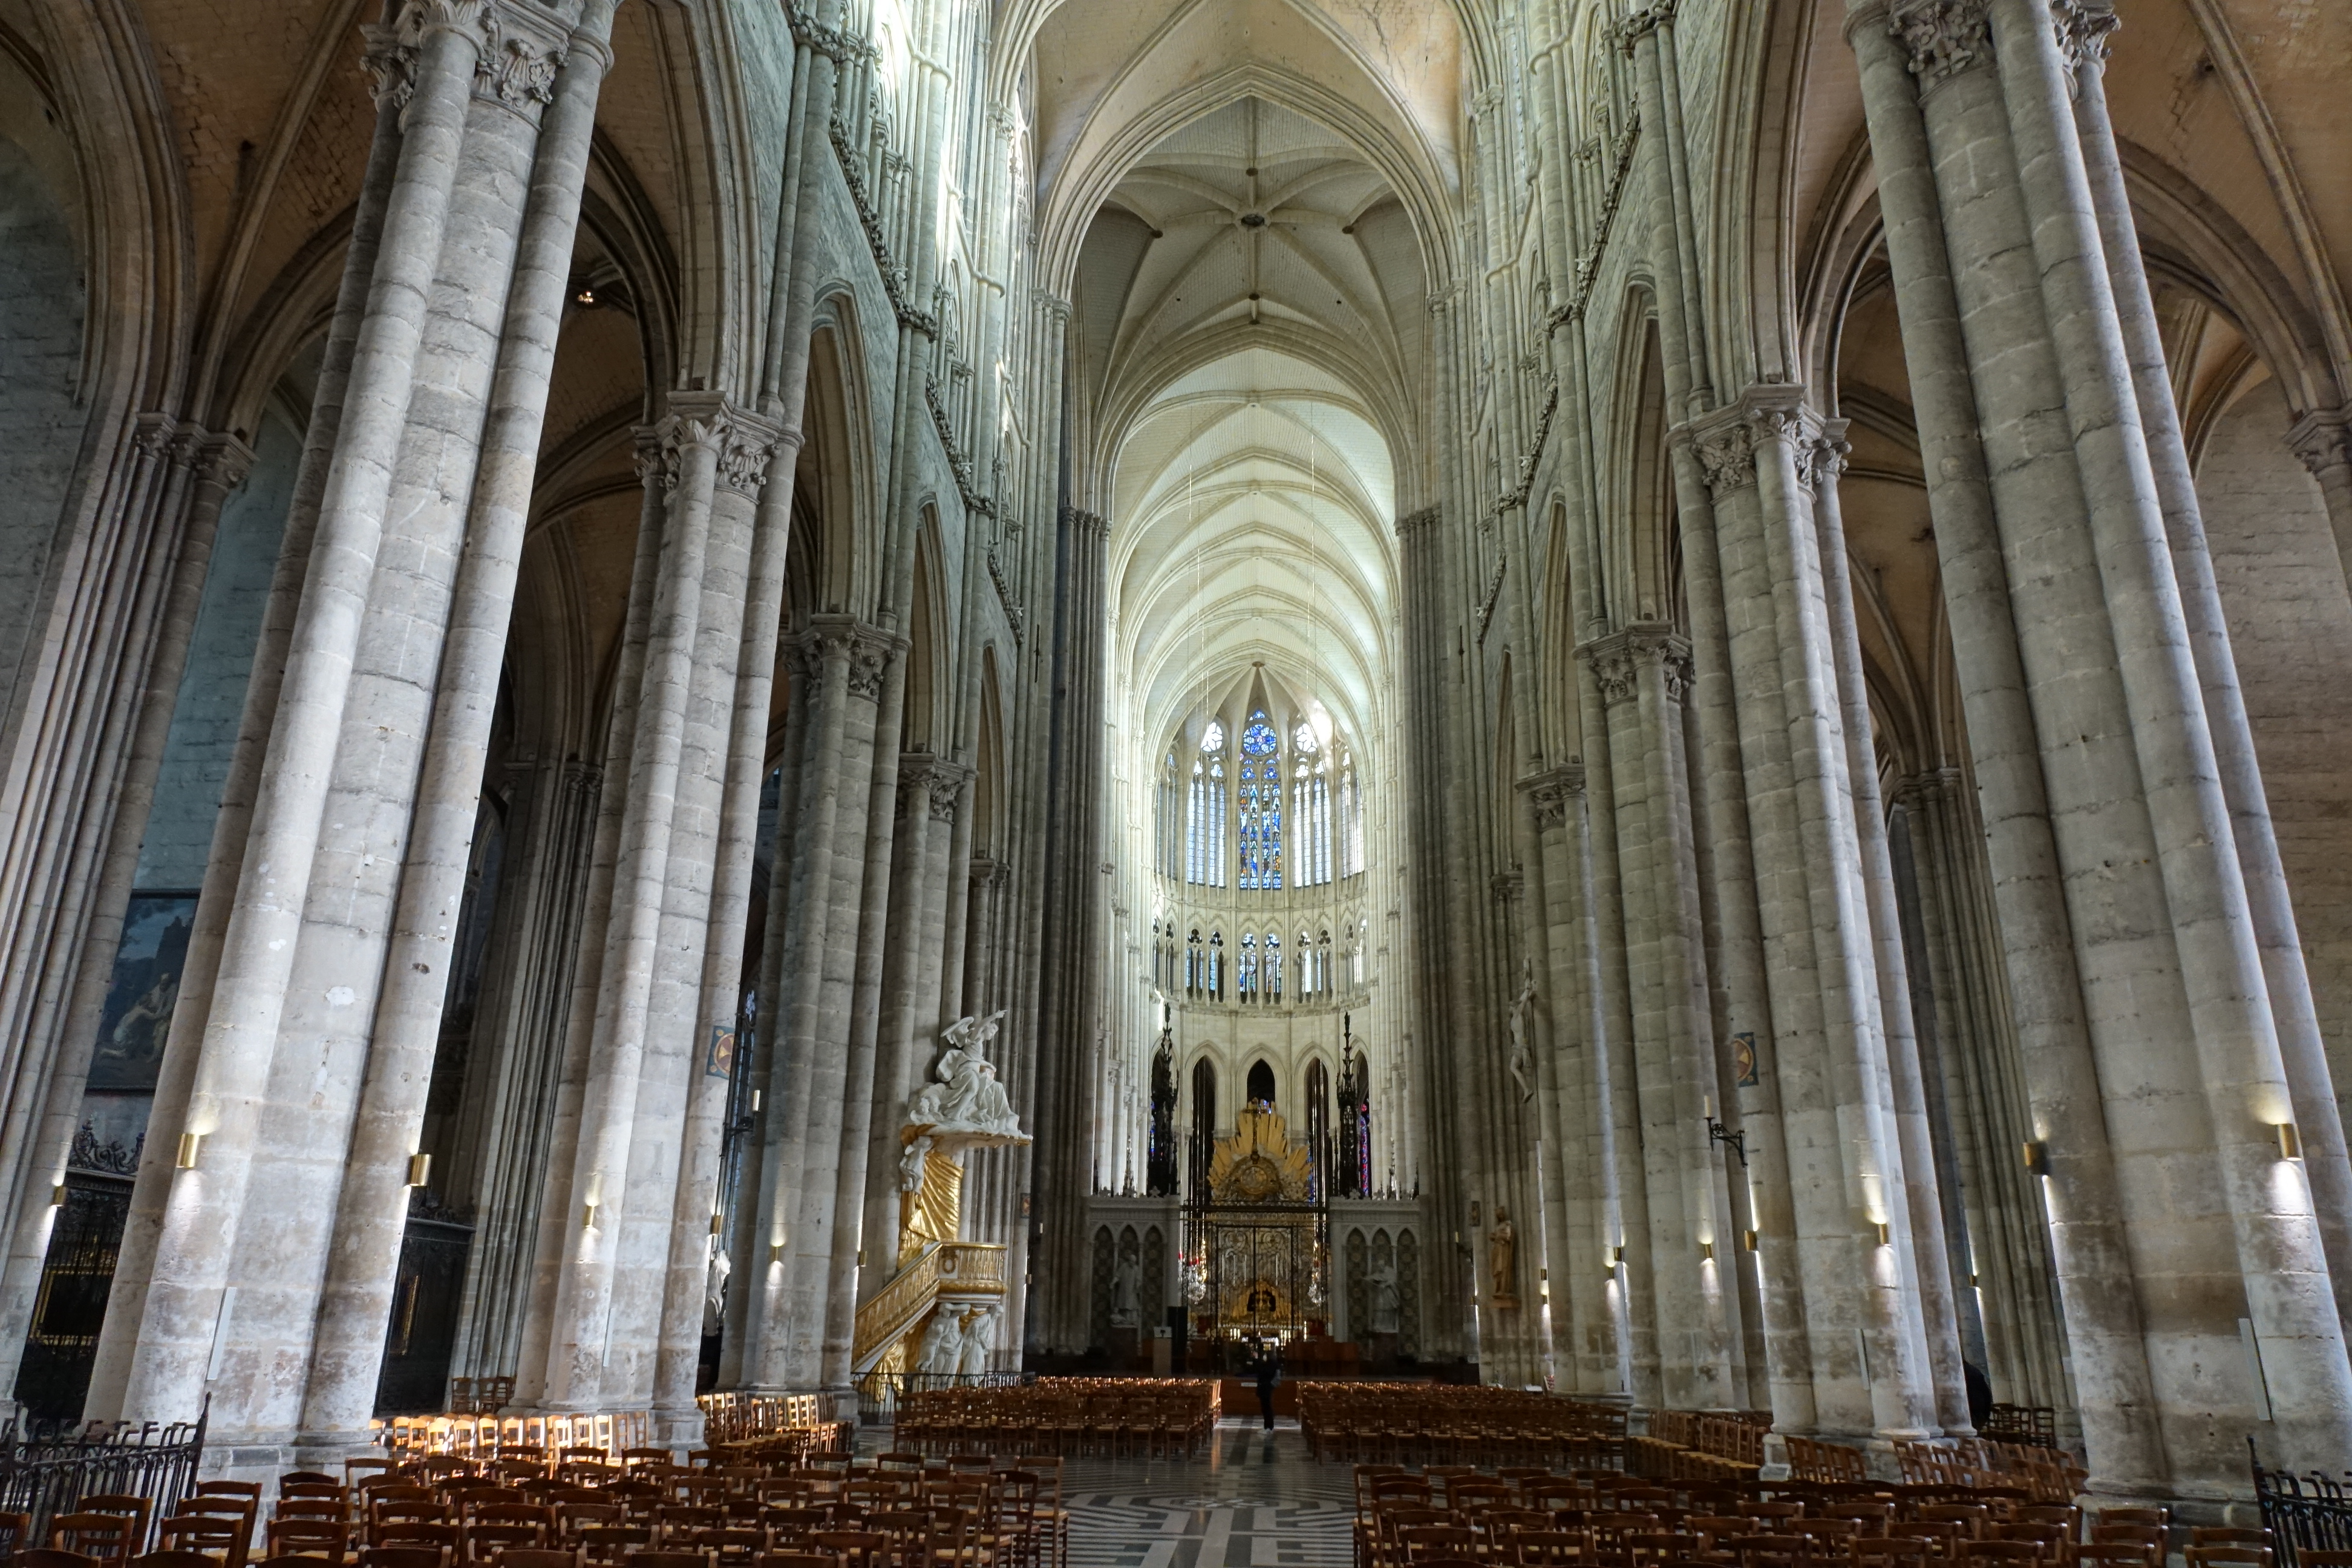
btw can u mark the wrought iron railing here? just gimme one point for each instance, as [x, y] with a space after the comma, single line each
[879, 1393]
[46, 1468]
[2302, 1513]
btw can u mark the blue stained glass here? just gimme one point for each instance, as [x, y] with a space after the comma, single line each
[1259, 738]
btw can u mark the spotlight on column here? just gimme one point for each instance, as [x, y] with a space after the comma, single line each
[1748, 1241]
[57, 1196]
[593, 1200]
[192, 1144]
[1885, 1235]
[420, 1170]
[2037, 1157]
[717, 1224]
[2290, 1142]
[1706, 1251]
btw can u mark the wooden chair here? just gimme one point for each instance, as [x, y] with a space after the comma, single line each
[2216, 1556]
[797, 1560]
[484, 1543]
[528, 1557]
[140, 1510]
[276, 1562]
[2198, 1535]
[56, 1557]
[103, 1536]
[309, 1538]
[187, 1560]
[612, 1544]
[1889, 1551]
[399, 1557]
[2126, 1553]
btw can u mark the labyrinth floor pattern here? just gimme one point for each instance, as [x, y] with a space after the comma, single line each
[1255, 1501]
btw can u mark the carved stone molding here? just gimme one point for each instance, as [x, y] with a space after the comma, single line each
[1550, 792]
[989, 873]
[1507, 887]
[1944, 37]
[1823, 460]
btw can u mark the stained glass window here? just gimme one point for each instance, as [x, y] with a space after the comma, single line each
[1260, 807]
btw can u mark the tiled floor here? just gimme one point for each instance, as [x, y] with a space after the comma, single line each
[1257, 1501]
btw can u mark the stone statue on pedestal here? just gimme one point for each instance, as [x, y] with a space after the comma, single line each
[942, 1347]
[1502, 1251]
[1124, 1312]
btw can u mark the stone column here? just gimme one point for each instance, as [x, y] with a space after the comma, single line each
[170, 1340]
[821, 1026]
[1932, 1244]
[735, 690]
[692, 444]
[2303, 1055]
[354, 1307]
[2044, 994]
[221, 465]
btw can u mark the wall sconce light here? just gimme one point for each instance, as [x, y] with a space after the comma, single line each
[594, 1200]
[57, 1196]
[1885, 1235]
[1748, 1241]
[775, 1252]
[755, 1102]
[2290, 1142]
[1706, 1251]
[420, 1170]
[2037, 1157]
[1972, 1281]
[717, 1224]
[191, 1145]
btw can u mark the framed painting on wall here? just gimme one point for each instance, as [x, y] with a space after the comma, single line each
[139, 998]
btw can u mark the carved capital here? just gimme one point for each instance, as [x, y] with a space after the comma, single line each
[932, 781]
[1623, 659]
[1051, 303]
[739, 443]
[988, 873]
[151, 433]
[520, 73]
[1821, 460]
[1414, 521]
[1725, 449]
[1642, 21]
[1944, 37]
[1508, 886]
[1550, 792]
[871, 650]
[223, 460]
[1092, 524]
[2082, 27]
[2323, 439]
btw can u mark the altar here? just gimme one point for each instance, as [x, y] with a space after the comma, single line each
[1257, 1244]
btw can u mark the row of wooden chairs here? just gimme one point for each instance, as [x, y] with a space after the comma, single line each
[1444, 1424]
[1063, 1417]
[1606, 1519]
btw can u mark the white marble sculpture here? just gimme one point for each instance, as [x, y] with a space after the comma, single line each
[972, 1362]
[1520, 1061]
[966, 1105]
[942, 1347]
[1124, 1312]
[1386, 1300]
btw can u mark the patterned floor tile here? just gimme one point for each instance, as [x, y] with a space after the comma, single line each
[1254, 1501]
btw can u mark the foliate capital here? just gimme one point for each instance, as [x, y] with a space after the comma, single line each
[2082, 27]
[934, 781]
[1414, 522]
[1642, 21]
[1550, 792]
[1621, 660]
[1945, 37]
[741, 443]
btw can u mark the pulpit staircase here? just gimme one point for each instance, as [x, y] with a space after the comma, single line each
[962, 1273]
